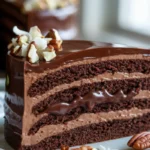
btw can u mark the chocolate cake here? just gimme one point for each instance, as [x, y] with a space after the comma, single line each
[58, 14]
[73, 93]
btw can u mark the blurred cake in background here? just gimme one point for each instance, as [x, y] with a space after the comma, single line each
[58, 14]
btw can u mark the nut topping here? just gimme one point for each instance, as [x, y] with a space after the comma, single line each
[49, 55]
[140, 141]
[23, 39]
[34, 46]
[53, 34]
[35, 32]
[81, 148]
[84, 148]
[32, 54]
[16, 50]
[56, 41]
[63, 147]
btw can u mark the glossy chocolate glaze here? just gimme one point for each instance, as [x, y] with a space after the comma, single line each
[89, 101]
[14, 96]
[90, 50]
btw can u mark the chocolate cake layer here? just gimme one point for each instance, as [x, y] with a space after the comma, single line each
[76, 112]
[69, 95]
[100, 78]
[76, 73]
[82, 120]
[94, 133]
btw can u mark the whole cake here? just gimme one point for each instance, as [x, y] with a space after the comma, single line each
[73, 93]
[58, 14]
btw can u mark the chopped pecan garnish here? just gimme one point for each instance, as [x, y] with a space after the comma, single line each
[140, 141]
[81, 148]
[63, 147]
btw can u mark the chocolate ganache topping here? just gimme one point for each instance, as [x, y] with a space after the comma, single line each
[74, 51]
[89, 101]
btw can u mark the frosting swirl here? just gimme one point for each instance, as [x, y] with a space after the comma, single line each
[34, 46]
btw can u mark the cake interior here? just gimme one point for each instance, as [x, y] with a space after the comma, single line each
[87, 98]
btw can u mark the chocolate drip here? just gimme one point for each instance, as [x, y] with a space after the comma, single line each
[89, 101]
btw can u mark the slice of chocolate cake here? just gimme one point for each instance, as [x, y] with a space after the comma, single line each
[73, 93]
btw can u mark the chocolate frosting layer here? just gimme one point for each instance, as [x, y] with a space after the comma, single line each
[90, 50]
[89, 101]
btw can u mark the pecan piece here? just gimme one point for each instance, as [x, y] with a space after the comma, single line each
[84, 148]
[140, 141]
[63, 147]
[81, 148]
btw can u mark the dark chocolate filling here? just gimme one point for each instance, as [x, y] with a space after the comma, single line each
[94, 133]
[69, 95]
[89, 101]
[74, 73]
[103, 107]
